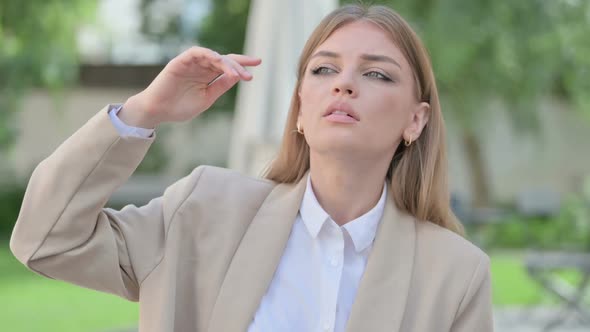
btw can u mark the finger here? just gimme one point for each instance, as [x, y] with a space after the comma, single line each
[221, 85]
[212, 59]
[244, 74]
[245, 60]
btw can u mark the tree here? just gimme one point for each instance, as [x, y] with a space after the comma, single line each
[223, 30]
[37, 48]
[232, 15]
[515, 52]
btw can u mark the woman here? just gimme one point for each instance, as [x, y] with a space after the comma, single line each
[351, 229]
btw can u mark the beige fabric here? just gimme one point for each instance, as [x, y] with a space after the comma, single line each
[201, 257]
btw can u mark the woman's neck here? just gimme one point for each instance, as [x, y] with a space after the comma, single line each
[347, 190]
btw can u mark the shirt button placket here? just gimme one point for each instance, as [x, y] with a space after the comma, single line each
[334, 262]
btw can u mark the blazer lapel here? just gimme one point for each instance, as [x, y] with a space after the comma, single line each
[381, 297]
[256, 259]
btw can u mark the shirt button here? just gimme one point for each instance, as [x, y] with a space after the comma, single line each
[334, 262]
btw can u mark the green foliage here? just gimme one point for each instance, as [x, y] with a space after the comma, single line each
[512, 286]
[223, 30]
[11, 196]
[569, 230]
[37, 48]
[57, 306]
[517, 53]
[512, 51]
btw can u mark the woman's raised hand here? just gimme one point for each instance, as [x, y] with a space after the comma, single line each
[188, 85]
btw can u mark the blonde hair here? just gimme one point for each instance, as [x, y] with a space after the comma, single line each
[418, 173]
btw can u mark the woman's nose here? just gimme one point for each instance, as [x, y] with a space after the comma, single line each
[344, 86]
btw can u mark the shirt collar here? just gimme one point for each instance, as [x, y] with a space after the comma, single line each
[311, 211]
[362, 230]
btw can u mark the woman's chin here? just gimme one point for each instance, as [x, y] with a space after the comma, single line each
[337, 144]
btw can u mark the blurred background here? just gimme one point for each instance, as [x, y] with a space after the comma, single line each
[514, 83]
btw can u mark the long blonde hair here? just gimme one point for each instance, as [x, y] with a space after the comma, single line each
[418, 173]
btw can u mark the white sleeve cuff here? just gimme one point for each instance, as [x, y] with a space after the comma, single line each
[126, 130]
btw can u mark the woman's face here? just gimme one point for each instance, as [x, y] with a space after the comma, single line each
[357, 95]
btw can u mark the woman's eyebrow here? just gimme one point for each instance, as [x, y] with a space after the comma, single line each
[366, 57]
[326, 54]
[379, 58]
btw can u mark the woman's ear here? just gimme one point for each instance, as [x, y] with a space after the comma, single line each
[419, 118]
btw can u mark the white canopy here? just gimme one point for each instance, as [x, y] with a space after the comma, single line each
[277, 31]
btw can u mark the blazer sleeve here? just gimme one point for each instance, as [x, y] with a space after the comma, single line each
[63, 230]
[475, 310]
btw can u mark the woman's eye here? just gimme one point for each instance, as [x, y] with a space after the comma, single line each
[322, 70]
[376, 74]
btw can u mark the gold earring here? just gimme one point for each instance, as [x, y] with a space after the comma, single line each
[409, 142]
[299, 130]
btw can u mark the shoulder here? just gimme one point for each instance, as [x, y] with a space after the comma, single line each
[222, 175]
[447, 250]
[218, 180]
[447, 262]
[216, 185]
[214, 193]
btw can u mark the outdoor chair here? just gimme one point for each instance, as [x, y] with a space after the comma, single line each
[542, 266]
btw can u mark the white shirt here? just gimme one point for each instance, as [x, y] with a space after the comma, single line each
[124, 130]
[315, 284]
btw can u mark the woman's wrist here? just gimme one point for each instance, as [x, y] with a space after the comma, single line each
[135, 113]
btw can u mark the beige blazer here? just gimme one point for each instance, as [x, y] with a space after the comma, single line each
[201, 257]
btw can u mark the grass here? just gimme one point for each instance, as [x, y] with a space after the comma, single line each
[29, 302]
[511, 285]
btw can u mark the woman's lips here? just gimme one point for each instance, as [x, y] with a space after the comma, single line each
[342, 108]
[340, 118]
